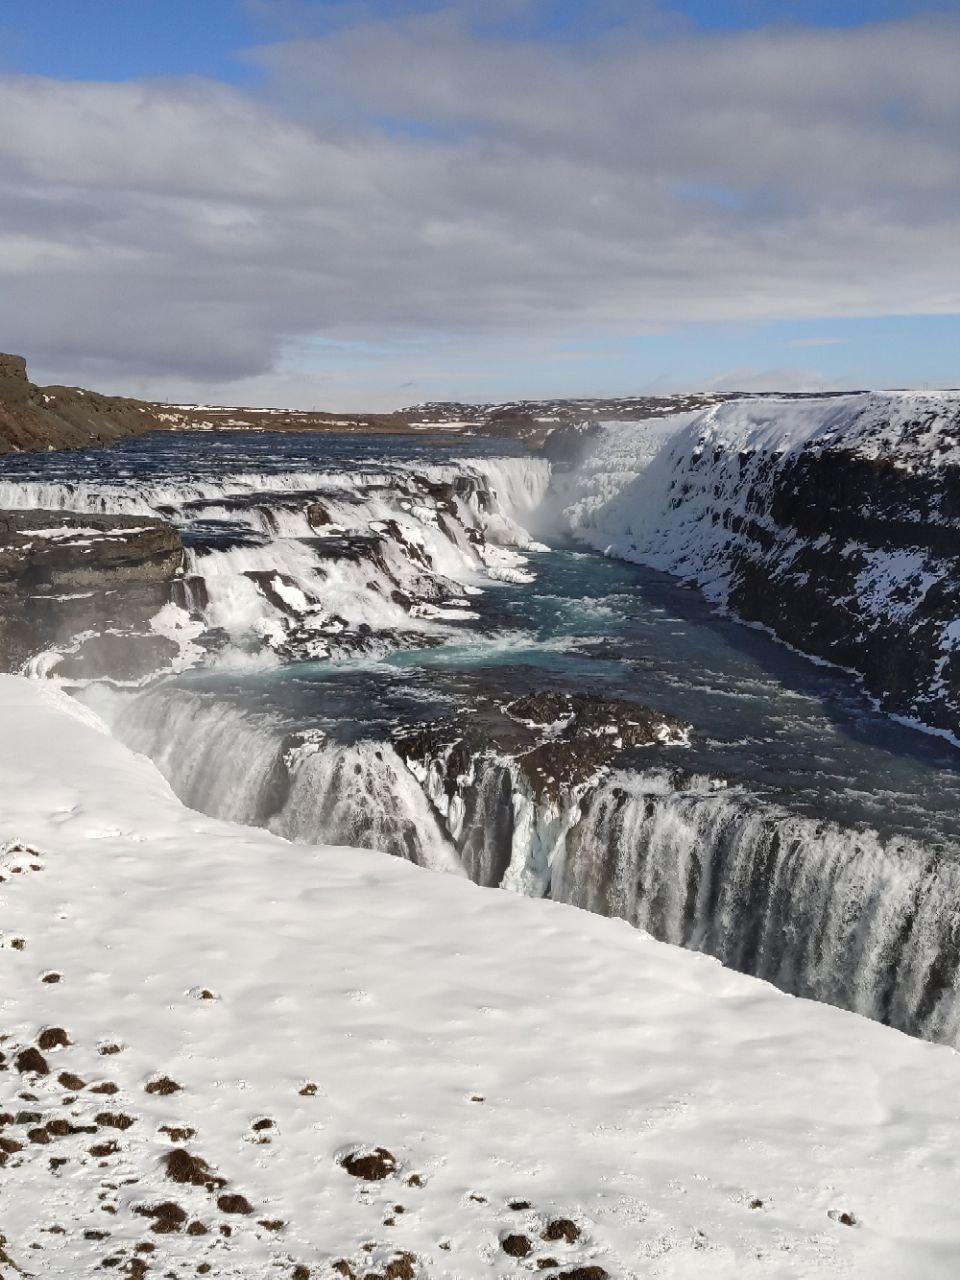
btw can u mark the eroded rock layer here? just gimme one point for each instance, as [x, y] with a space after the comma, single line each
[88, 590]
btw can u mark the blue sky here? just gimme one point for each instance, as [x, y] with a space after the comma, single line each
[125, 39]
[793, 224]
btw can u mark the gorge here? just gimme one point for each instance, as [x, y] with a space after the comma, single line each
[364, 642]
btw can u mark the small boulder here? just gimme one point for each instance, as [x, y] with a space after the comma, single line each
[167, 1216]
[561, 1229]
[162, 1085]
[182, 1167]
[516, 1245]
[234, 1203]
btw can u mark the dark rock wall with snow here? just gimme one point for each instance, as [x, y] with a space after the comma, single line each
[86, 590]
[835, 523]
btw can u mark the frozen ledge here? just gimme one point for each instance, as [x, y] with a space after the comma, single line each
[688, 1121]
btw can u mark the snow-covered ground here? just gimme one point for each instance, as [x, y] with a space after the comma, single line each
[672, 1118]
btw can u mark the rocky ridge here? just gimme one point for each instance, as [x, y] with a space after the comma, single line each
[834, 524]
[515, 754]
[38, 418]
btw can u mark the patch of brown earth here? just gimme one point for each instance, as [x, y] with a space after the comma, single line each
[182, 1167]
[371, 1166]
[102, 1149]
[167, 1216]
[163, 1085]
[516, 1245]
[177, 1134]
[31, 1062]
[234, 1203]
[561, 1229]
[114, 1120]
[52, 1038]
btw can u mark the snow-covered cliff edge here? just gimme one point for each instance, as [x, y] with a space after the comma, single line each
[835, 523]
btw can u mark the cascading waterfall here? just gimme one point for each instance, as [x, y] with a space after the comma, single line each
[821, 911]
[362, 795]
[258, 772]
[316, 562]
[216, 758]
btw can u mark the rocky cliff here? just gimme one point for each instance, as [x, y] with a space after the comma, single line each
[37, 418]
[82, 595]
[836, 524]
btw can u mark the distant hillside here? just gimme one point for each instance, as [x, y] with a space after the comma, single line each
[37, 418]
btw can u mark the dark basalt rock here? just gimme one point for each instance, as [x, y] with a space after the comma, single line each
[559, 739]
[548, 744]
[369, 1165]
[798, 569]
[65, 575]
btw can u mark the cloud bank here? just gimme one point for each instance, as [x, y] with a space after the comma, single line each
[413, 181]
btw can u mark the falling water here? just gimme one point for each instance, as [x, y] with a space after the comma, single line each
[819, 910]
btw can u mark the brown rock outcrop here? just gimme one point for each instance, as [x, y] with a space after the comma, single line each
[38, 418]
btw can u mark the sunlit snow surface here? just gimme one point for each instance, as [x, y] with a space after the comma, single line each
[691, 1122]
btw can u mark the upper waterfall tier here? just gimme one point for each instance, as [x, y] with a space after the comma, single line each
[289, 557]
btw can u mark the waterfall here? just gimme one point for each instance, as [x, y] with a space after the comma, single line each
[217, 759]
[362, 795]
[831, 913]
[818, 910]
[303, 562]
[257, 771]
[317, 564]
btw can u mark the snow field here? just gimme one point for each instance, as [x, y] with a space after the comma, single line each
[688, 1121]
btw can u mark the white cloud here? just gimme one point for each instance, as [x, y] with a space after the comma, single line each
[410, 178]
[784, 379]
[816, 342]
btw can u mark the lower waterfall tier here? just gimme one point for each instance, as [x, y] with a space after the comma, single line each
[818, 909]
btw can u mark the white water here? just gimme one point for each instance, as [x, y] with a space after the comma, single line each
[825, 912]
[822, 911]
[252, 771]
[393, 551]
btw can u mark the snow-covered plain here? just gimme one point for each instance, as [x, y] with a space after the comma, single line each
[686, 1120]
